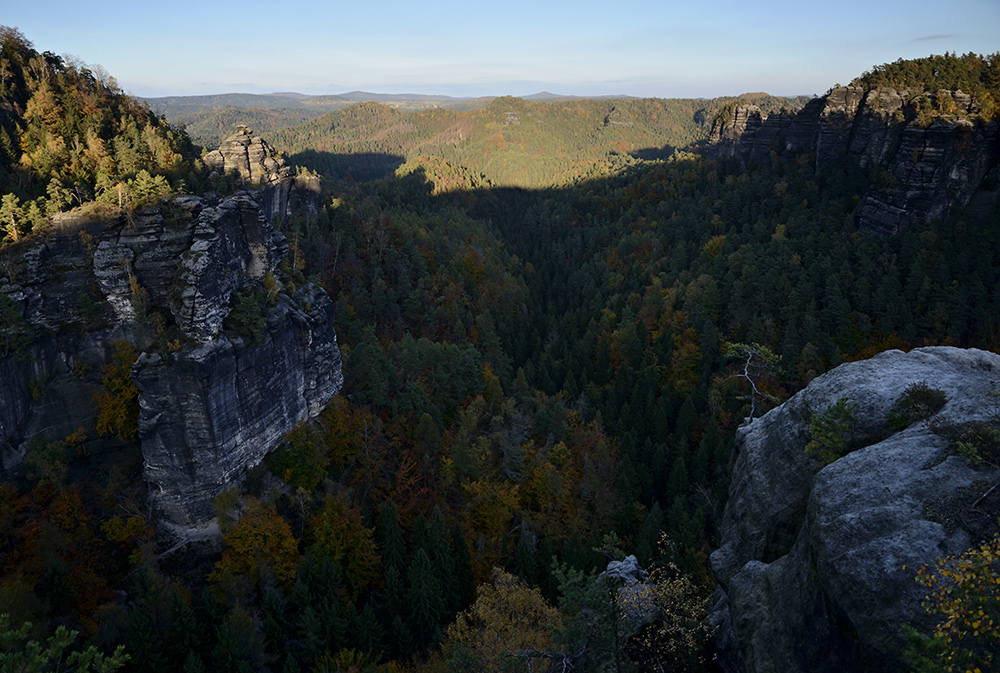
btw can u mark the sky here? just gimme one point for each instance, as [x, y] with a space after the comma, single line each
[661, 48]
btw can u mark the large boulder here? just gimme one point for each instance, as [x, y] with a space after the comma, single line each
[816, 565]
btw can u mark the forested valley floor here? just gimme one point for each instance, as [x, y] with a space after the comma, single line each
[537, 381]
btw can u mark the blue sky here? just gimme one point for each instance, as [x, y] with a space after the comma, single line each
[515, 47]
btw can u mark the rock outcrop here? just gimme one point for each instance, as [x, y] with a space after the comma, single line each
[259, 165]
[209, 413]
[232, 246]
[929, 164]
[212, 403]
[816, 566]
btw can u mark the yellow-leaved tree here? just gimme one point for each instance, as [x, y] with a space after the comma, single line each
[508, 628]
[964, 591]
[118, 404]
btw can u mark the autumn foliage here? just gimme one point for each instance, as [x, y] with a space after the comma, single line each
[259, 547]
[964, 593]
[508, 618]
[118, 404]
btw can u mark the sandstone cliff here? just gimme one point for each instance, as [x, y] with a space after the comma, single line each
[928, 164]
[816, 565]
[212, 403]
[256, 163]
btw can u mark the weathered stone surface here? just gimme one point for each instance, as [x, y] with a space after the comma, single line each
[257, 164]
[636, 594]
[232, 246]
[931, 168]
[211, 413]
[811, 565]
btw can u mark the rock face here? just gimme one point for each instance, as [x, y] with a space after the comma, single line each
[211, 404]
[232, 246]
[811, 565]
[210, 413]
[928, 168]
[257, 164]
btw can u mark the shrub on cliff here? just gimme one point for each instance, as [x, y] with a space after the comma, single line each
[831, 431]
[118, 404]
[247, 317]
[917, 403]
[964, 592]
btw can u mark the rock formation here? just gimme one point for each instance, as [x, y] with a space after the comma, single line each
[257, 164]
[928, 166]
[212, 403]
[816, 564]
[211, 412]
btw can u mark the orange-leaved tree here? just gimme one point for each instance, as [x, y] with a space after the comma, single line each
[118, 403]
[260, 547]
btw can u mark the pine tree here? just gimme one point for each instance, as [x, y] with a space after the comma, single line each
[525, 561]
[368, 632]
[465, 586]
[424, 599]
[390, 537]
[240, 644]
[437, 543]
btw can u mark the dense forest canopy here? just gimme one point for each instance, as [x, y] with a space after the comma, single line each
[68, 135]
[537, 381]
[972, 73]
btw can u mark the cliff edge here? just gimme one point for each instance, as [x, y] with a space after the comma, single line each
[928, 164]
[816, 565]
[215, 394]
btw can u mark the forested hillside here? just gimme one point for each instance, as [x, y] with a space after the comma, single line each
[209, 119]
[462, 143]
[511, 141]
[537, 382]
[68, 136]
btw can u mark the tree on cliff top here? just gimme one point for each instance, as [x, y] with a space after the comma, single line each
[974, 74]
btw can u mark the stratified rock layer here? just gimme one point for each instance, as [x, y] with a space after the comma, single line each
[929, 168]
[232, 246]
[212, 412]
[211, 405]
[816, 566]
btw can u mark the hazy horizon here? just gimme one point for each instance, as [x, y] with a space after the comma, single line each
[638, 48]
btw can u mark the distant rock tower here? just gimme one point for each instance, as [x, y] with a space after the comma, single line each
[258, 164]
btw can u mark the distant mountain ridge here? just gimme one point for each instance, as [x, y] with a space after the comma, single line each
[169, 105]
[209, 119]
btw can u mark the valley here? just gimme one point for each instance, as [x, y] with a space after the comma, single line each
[374, 378]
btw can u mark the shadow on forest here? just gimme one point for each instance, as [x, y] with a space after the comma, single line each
[357, 167]
[372, 166]
[654, 153]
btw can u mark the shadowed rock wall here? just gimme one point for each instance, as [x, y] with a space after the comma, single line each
[927, 168]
